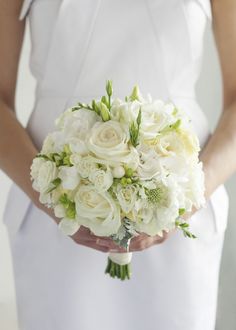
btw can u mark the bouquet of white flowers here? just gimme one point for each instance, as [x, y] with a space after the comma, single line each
[120, 168]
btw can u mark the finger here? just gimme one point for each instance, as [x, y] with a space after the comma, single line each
[85, 234]
[93, 246]
[141, 245]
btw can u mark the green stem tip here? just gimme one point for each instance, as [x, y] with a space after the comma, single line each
[122, 272]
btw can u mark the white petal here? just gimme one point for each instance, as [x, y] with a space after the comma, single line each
[69, 227]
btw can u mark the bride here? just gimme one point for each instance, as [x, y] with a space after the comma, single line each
[76, 46]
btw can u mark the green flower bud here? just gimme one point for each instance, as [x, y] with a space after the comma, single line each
[95, 107]
[109, 88]
[104, 112]
[135, 95]
[123, 181]
[128, 180]
[105, 101]
[129, 172]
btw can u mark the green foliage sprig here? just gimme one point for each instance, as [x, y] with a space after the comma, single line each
[134, 129]
[68, 205]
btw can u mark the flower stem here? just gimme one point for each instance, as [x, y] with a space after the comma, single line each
[115, 270]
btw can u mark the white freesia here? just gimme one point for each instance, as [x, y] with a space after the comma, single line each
[69, 226]
[97, 211]
[46, 174]
[125, 112]
[59, 211]
[69, 176]
[101, 179]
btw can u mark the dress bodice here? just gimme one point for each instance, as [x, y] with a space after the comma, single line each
[78, 44]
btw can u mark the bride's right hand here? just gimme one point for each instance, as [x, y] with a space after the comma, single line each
[84, 236]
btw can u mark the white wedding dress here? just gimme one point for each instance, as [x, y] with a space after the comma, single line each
[76, 46]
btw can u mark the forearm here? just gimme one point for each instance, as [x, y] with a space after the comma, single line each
[219, 154]
[16, 150]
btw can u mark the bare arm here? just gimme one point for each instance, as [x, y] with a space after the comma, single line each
[16, 148]
[219, 155]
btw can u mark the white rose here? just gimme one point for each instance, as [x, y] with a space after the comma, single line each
[97, 211]
[127, 197]
[109, 141]
[85, 166]
[101, 179]
[69, 177]
[47, 173]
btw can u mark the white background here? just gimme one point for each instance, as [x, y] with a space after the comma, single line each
[209, 92]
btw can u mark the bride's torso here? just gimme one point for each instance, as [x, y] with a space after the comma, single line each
[78, 44]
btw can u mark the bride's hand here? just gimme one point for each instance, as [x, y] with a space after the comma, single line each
[84, 236]
[143, 241]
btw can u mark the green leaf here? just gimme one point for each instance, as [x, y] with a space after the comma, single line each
[64, 200]
[139, 117]
[184, 227]
[173, 127]
[69, 206]
[71, 211]
[55, 183]
[176, 125]
[42, 156]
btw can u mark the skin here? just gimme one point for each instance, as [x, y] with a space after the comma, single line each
[16, 158]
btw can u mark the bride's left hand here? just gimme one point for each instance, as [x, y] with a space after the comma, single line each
[143, 241]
